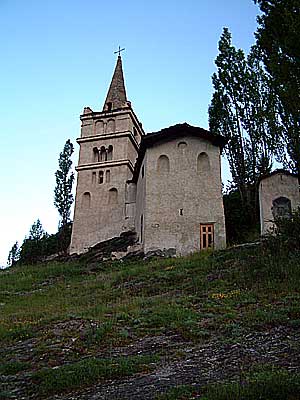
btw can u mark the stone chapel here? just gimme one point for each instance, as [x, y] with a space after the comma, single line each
[278, 197]
[166, 186]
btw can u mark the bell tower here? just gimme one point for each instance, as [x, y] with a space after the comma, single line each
[109, 144]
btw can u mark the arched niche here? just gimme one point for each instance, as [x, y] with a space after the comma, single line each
[203, 164]
[86, 200]
[111, 126]
[113, 196]
[163, 164]
[99, 127]
[281, 207]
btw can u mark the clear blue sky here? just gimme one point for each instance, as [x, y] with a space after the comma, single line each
[57, 57]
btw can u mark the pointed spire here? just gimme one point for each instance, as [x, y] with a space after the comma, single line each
[116, 96]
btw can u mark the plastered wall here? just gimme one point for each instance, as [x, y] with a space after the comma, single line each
[177, 201]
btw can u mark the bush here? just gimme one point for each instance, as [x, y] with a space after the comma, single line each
[285, 236]
[288, 230]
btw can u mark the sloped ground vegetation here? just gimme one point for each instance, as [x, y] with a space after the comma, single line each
[221, 325]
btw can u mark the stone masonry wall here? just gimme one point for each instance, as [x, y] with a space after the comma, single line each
[104, 204]
[103, 216]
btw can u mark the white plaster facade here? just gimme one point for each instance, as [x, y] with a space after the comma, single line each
[175, 197]
[163, 185]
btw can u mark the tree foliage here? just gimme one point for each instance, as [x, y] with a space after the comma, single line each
[37, 231]
[278, 39]
[39, 244]
[63, 197]
[33, 246]
[243, 109]
[240, 227]
[14, 255]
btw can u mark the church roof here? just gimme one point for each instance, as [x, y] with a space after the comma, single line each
[116, 96]
[180, 130]
[174, 132]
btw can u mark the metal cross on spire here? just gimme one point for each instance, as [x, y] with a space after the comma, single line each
[119, 51]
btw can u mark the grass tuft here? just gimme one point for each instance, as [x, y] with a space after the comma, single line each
[183, 392]
[88, 371]
[265, 385]
[12, 367]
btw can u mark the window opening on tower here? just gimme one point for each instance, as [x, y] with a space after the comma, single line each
[101, 179]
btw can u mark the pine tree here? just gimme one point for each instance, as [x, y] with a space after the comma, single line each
[14, 255]
[37, 231]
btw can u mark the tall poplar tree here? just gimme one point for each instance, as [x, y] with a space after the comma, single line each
[225, 110]
[278, 38]
[243, 109]
[63, 197]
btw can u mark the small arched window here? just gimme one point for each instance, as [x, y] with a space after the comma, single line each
[86, 200]
[182, 146]
[142, 229]
[101, 178]
[107, 176]
[163, 164]
[113, 196]
[203, 164]
[103, 154]
[109, 152]
[95, 154]
[110, 126]
[99, 127]
[282, 207]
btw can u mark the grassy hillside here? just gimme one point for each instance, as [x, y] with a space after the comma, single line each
[221, 325]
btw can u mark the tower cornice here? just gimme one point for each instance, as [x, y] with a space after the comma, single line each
[105, 164]
[94, 115]
[106, 114]
[109, 137]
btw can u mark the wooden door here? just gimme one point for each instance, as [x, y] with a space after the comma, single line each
[206, 236]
